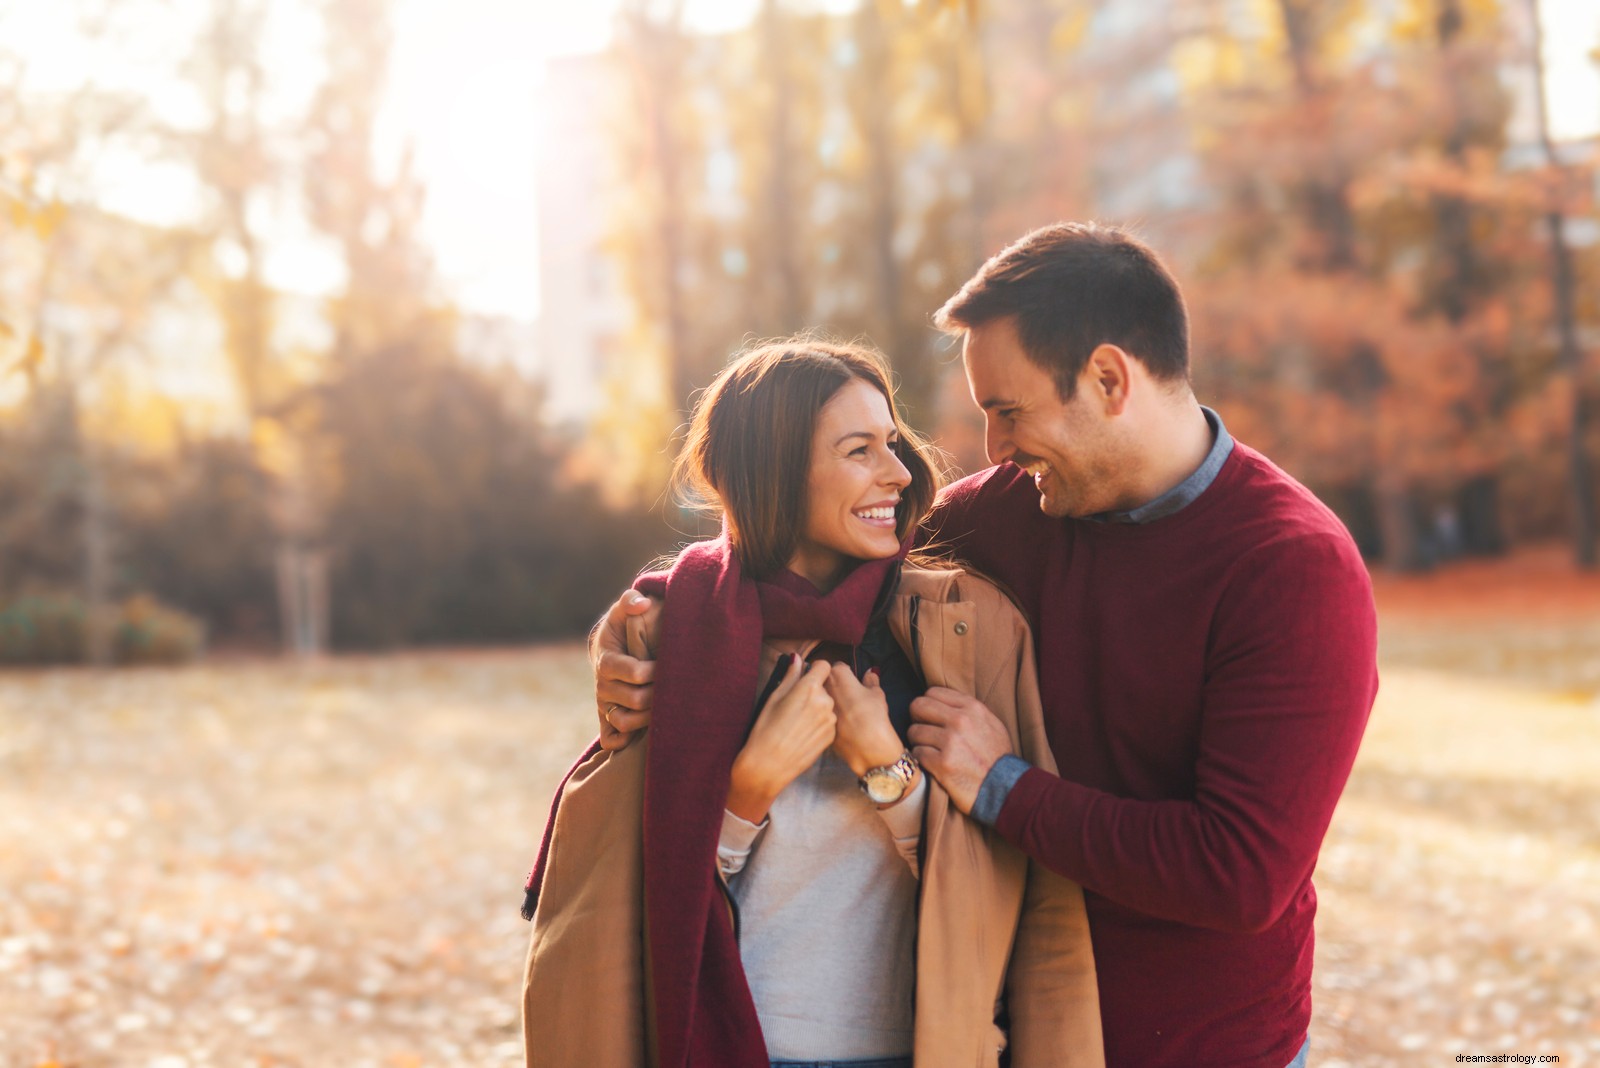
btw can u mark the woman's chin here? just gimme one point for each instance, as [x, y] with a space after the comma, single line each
[877, 548]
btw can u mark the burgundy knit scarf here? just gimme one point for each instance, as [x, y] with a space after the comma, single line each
[713, 622]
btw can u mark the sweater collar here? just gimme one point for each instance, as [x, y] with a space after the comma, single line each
[1186, 492]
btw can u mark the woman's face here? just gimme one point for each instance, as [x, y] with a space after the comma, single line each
[853, 487]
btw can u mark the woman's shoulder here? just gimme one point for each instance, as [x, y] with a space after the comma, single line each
[947, 582]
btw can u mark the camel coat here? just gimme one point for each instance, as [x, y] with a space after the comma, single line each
[992, 926]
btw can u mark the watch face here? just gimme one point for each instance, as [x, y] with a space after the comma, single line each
[884, 786]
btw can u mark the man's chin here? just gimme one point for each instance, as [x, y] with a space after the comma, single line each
[1053, 506]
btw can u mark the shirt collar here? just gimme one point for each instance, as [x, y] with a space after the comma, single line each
[1186, 492]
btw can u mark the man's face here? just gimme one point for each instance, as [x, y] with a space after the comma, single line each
[1066, 445]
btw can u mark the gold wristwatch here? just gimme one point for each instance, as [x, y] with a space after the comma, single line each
[888, 784]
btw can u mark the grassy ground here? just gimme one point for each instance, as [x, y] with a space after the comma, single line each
[249, 863]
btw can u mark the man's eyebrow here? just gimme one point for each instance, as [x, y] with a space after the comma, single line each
[996, 402]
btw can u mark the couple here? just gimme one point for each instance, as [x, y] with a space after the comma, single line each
[865, 825]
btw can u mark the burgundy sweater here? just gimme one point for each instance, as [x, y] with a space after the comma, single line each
[1206, 680]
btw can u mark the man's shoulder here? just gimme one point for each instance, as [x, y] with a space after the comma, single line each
[1272, 504]
[991, 483]
[1282, 534]
[1002, 491]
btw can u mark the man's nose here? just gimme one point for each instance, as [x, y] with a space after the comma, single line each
[997, 442]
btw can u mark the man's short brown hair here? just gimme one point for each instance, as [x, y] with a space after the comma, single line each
[1072, 287]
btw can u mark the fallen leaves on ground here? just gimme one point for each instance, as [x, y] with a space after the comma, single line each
[271, 864]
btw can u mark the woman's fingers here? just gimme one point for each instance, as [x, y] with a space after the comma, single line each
[841, 683]
[791, 675]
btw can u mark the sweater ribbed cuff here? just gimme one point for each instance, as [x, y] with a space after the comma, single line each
[997, 787]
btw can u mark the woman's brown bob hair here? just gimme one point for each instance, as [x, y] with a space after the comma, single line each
[748, 450]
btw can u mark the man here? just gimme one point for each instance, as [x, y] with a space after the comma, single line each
[1206, 646]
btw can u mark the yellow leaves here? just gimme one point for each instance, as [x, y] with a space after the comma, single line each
[44, 219]
[32, 357]
[275, 448]
[1070, 31]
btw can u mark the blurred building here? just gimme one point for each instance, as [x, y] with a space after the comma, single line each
[583, 308]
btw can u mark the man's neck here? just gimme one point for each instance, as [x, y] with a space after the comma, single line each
[1178, 443]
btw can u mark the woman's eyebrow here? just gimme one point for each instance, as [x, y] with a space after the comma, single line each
[869, 435]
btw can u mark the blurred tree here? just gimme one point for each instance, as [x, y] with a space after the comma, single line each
[373, 218]
[195, 528]
[1462, 284]
[76, 286]
[453, 522]
[1331, 173]
[1580, 471]
[244, 173]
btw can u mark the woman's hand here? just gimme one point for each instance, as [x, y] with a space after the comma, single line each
[794, 728]
[865, 737]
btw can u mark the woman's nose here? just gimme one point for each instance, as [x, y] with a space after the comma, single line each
[896, 474]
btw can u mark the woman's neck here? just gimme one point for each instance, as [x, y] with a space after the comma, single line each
[824, 569]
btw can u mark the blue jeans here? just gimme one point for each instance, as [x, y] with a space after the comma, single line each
[1300, 1058]
[877, 1062]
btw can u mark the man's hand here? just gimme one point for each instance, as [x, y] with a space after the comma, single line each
[957, 739]
[624, 684]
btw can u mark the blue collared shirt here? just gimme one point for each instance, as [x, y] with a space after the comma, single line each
[1008, 769]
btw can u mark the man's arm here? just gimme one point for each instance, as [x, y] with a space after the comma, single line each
[1284, 707]
[624, 684]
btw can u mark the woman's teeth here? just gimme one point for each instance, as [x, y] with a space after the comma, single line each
[876, 513]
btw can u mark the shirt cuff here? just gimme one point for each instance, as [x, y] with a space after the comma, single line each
[737, 839]
[997, 787]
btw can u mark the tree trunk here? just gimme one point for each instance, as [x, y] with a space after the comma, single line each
[1580, 476]
[1403, 548]
[786, 303]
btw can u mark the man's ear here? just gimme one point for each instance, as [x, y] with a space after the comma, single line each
[1109, 374]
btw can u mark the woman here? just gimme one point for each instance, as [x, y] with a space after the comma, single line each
[793, 890]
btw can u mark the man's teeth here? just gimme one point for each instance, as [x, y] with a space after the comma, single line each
[876, 513]
[1038, 469]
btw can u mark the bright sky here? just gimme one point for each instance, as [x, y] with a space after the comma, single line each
[465, 86]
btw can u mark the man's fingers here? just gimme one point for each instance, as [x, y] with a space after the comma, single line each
[927, 709]
[610, 692]
[926, 734]
[612, 739]
[625, 720]
[620, 667]
[633, 603]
